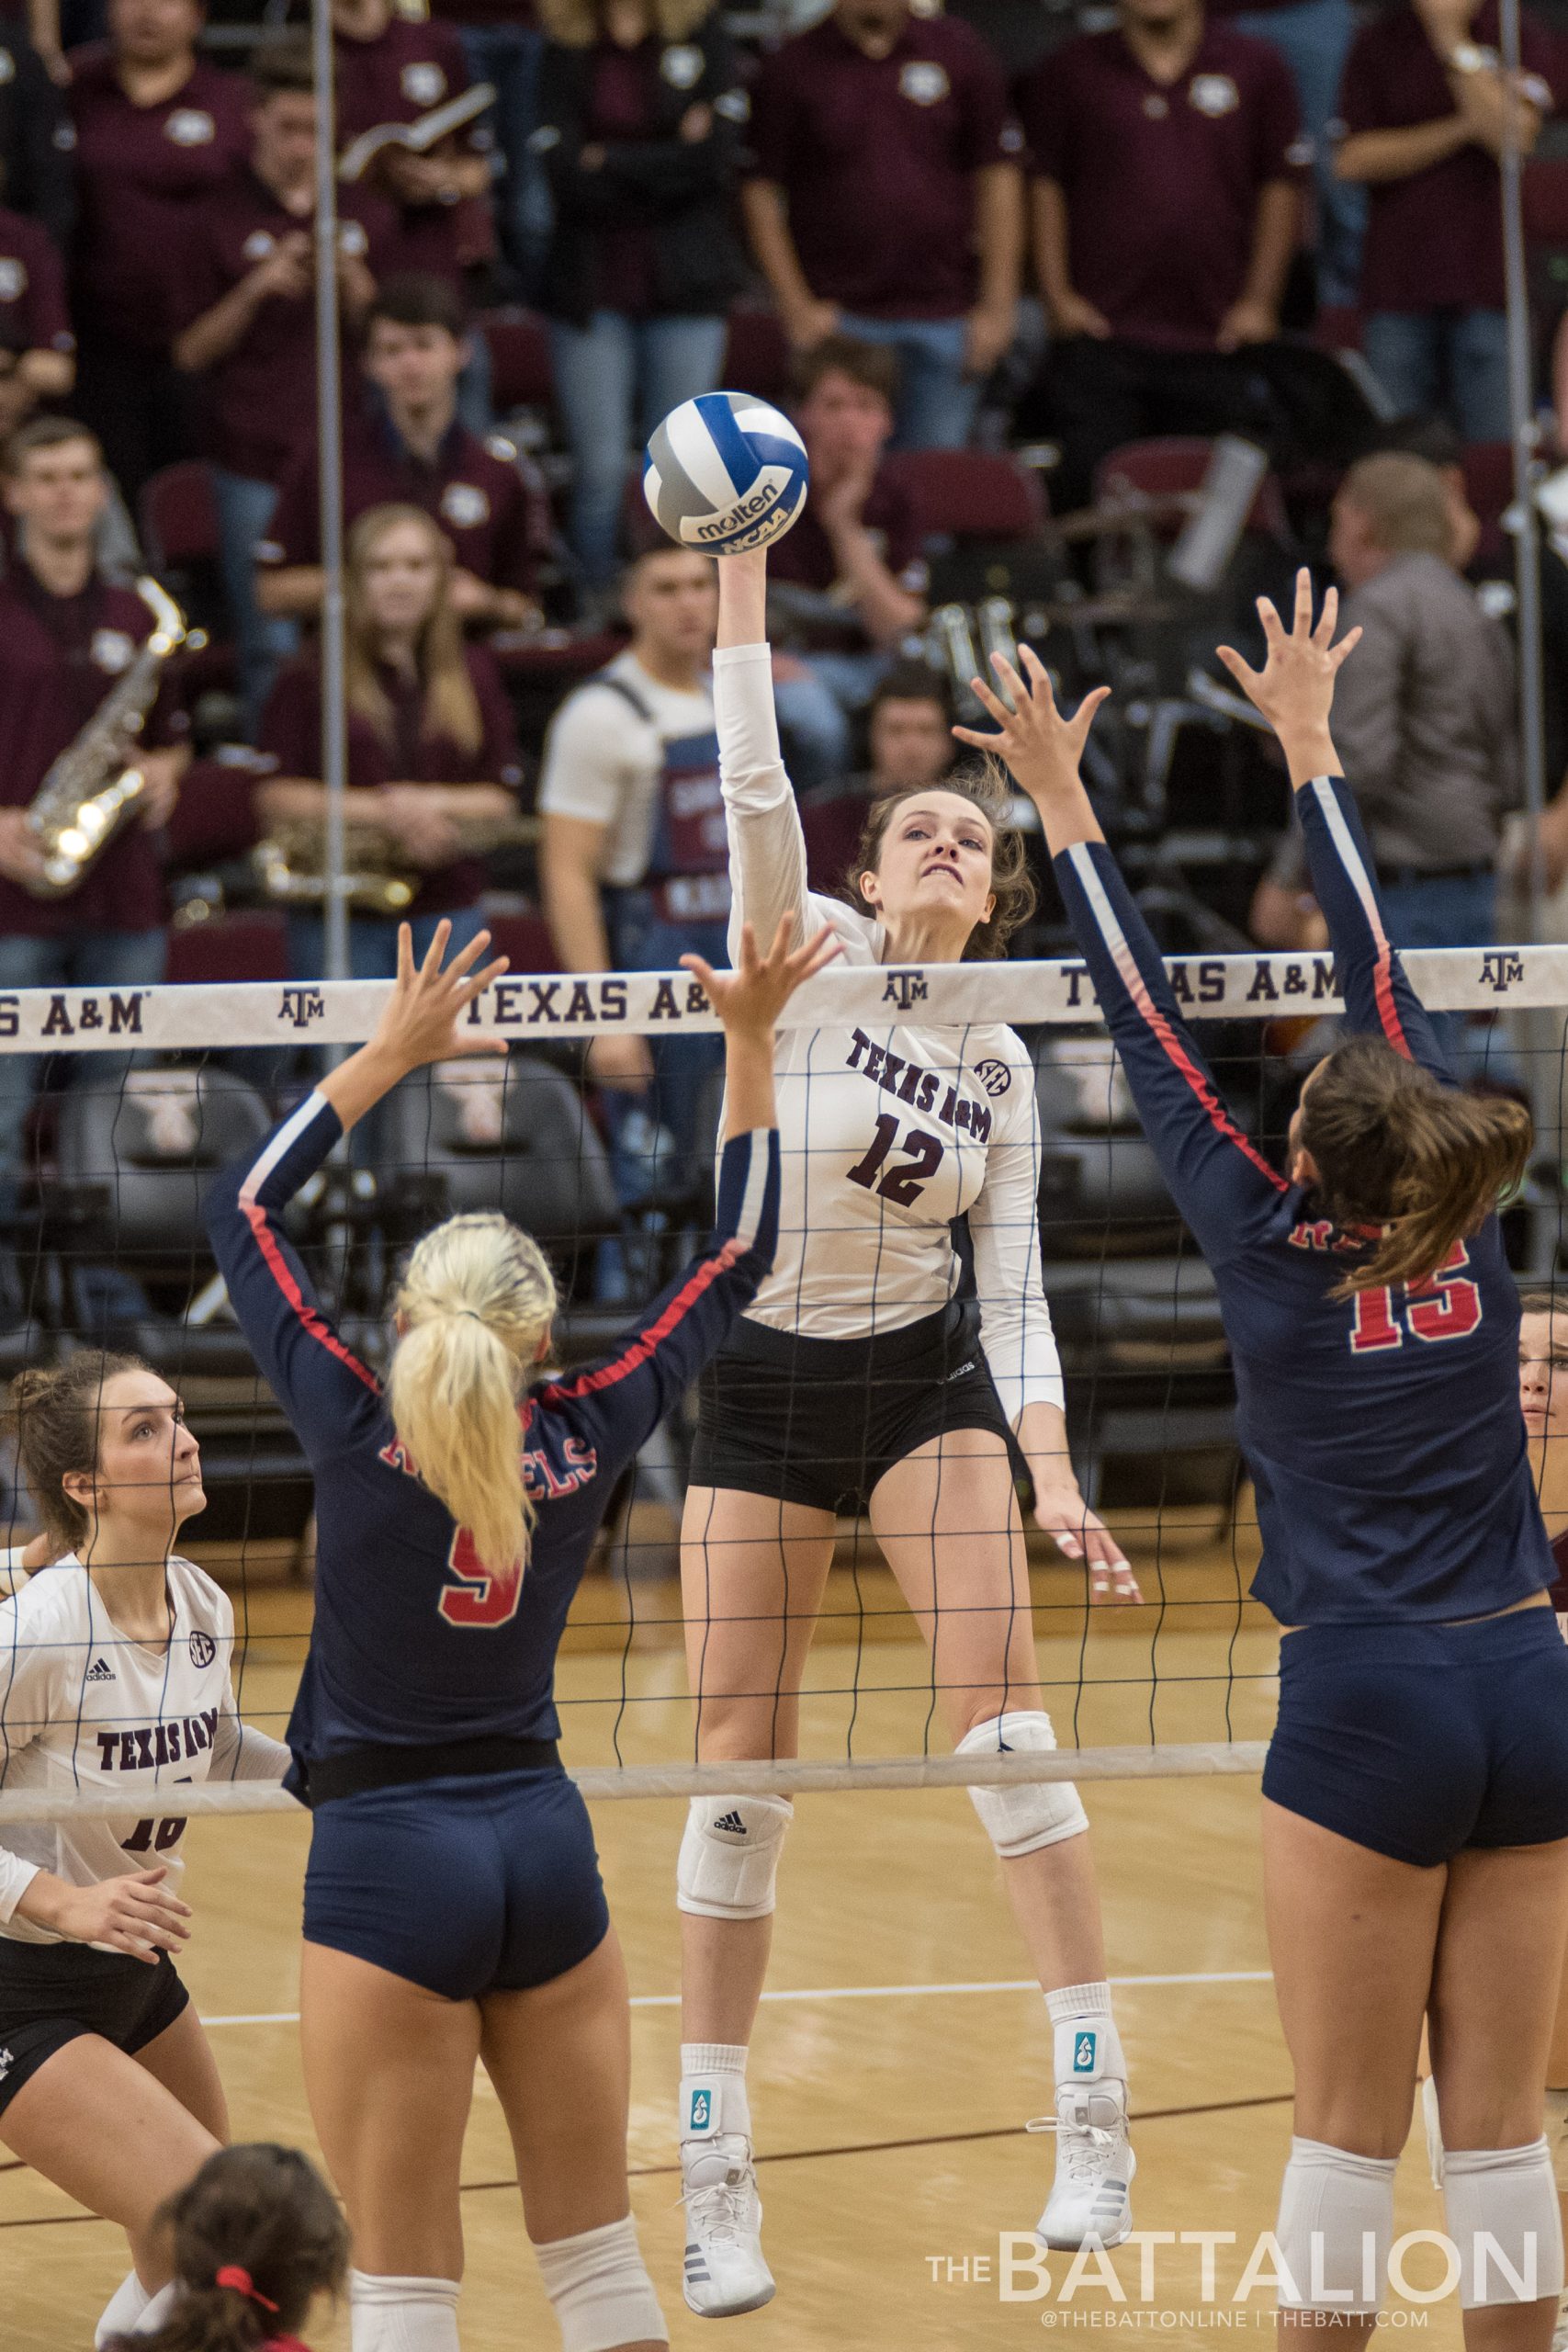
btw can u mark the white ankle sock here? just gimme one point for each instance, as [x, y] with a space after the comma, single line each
[160, 2307]
[122, 2311]
[1087, 2046]
[712, 2102]
[403, 2314]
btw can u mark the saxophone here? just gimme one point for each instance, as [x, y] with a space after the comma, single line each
[91, 787]
[290, 865]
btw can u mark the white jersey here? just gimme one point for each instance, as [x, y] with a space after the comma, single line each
[886, 1135]
[82, 1707]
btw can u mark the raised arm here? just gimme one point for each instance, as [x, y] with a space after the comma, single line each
[767, 848]
[1219, 1179]
[1295, 692]
[320, 1381]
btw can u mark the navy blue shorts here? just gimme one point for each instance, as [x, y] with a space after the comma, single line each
[1420, 1740]
[464, 1885]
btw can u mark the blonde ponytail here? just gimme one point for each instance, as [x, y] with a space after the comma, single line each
[475, 1304]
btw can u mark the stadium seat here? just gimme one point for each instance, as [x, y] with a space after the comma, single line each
[969, 493]
[513, 1136]
[1173, 465]
[756, 355]
[521, 372]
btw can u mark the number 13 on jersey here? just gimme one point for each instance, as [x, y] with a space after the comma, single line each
[1447, 1307]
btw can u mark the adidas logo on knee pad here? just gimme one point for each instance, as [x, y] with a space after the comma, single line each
[732, 1824]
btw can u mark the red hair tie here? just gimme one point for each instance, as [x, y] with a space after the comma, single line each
[233, 2275]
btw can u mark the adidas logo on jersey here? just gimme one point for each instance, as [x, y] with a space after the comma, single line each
[100, 1671]
[732, 1823]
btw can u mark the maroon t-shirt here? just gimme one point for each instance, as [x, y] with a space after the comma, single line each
[1435, 238]
[291, 735]
[59, 657]
[405, 72]
[472, 488]
[32, 287]
[264, 392]
[876, 158]
[1162, 180]
[804, 558]
[139, 172]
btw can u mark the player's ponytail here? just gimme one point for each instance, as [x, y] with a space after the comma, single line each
[1415, 1164]
[474, 1308]
[256, 2236]
[55, 1414]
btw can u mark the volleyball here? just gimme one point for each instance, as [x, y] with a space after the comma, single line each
[725, 472]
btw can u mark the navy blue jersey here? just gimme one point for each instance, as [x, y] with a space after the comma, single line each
[1383, 1432]
[415, 1643]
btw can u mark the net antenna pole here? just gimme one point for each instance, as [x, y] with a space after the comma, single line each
[1522, 433]
[328, 425]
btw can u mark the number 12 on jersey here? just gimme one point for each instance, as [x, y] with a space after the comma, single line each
[1447, 1308]
[907, 1179]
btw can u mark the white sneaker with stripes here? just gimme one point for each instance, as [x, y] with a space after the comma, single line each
[725, 2269]
[1095, 2164]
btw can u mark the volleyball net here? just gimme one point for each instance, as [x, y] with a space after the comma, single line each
[148, 1092]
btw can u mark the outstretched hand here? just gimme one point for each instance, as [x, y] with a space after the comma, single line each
[1040, 743]
[1294, 689]
[751, 997]
[422, 1022]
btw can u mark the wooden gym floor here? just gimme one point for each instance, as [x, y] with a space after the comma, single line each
[898, 2056]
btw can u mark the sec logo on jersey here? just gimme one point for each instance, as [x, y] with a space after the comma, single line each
[994, 1076]
[203, 1649]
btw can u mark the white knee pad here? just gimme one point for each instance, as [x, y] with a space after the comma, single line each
[1335, 2229]
[729, 1856]
[1503, 2217]
[387, 2315]
[599, 2286]
[1024, 1814]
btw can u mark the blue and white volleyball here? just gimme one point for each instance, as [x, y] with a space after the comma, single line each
[725, 472]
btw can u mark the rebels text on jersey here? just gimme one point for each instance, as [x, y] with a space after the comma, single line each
[82, 1708]
[1383, 1431]
[415, 1643]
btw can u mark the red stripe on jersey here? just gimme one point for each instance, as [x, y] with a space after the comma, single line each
[1137, 989]
[278, 1266]
[1388, 1008]
[646, 1343]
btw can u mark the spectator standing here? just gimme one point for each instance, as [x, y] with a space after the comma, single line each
[432, 746]
[502, 45]
[36, 137]
[638, 120]
[1167, 206]
[406, 444]
[35, 322]
[66, 636]
[248, 277]
[884, 202]
[158, 130]
[849, 581]
[1423, 111]
[634, 863]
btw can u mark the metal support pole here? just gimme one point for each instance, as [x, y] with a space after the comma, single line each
[329, 423]
[1521, 423]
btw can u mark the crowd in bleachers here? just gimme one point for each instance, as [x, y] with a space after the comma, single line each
[1012, 268]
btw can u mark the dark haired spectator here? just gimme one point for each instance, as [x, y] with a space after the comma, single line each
[635, 862]
[67, 635]
[849, 581]
[36, 137]
[158, 129]
[247, 276]
[1423, 110]
[1167, 205]
[34, 320]
[885, 202]
[256, 2237]
[393, 67]
[908, 724]
[638, 116]
[406, 444]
